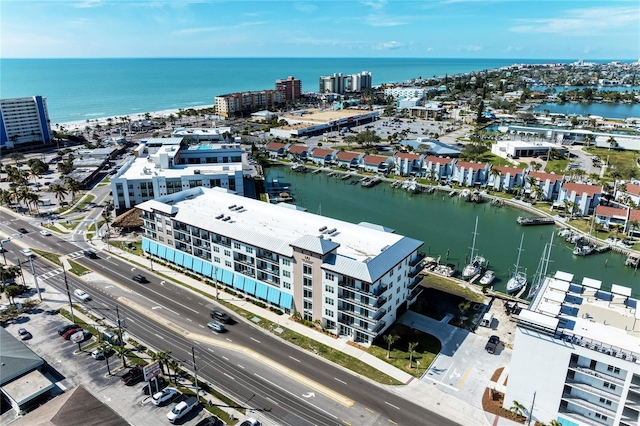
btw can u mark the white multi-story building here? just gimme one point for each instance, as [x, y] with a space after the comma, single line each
[353, 278]
[207, 134]
[24, 121]
[163, 166]
[577, 348]
[406, 92]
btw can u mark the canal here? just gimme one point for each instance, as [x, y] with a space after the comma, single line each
[446, 224]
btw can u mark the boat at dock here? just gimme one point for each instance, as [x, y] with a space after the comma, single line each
[477, 262]
[370, 181]
[488, 277]
[447, 270]
[583, 249]
[519, 278]
[633, 260]
[528, 221]
[301, 168]
[465, 193]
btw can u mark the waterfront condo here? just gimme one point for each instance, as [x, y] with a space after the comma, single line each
[24, 122]
[354, 279]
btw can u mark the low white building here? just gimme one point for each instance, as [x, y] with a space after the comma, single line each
[163, 166]
[353, 278]
[520, 148]
[577, 349]
[204, 134]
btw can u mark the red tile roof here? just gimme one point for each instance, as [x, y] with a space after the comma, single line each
[634, 214]
[275, 146]
[435, 160]
[607, 211]
[374, 159]
[552, 177]
[469, 165]
[632, 188]
[505, 169]
[407, 156]
[347, 155]
[298, 149]
[321, 152]
[581, 188]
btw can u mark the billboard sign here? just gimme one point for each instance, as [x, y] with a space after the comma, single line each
[151, 370]
[77, 337]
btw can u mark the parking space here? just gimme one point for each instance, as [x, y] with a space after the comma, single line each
[69, 370]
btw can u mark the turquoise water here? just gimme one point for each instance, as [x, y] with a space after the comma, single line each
[446, 224]
[82, 89]
[602, 110]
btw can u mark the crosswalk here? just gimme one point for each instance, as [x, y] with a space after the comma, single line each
[50, 274]
[75, 254]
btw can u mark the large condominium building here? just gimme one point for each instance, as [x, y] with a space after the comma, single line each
[247, 102]
[24, 121]
[338, 83]
[577, 348]
[163, 166]
[352, 278]
[290, 88]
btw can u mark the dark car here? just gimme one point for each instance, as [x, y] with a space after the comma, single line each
[492, 344]
[140, 278]
[90, 254]
[23, 231]
[132, 376]
[67, 335]
[66, 328]
[210, 421]
[24, 334]
[220, 316]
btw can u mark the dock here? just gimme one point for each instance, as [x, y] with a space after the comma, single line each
[528, 221]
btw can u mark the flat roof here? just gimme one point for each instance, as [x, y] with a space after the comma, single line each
[136, 170]
[314, 115]
[27, 387]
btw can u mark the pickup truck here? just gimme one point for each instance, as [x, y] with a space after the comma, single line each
[492, 344]
[132, 376]
[182, 408]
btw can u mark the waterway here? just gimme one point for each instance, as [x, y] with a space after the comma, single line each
[446, 224]
[607, 110]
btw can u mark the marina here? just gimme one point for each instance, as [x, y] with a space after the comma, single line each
[528, 221]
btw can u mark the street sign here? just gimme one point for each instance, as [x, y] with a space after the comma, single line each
[151, 370]
[77, 337]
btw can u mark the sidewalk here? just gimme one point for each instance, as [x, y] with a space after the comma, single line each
[423, 393]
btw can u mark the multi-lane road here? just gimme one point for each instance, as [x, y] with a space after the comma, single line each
[286, 399]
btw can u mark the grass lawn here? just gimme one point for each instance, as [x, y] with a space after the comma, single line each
[425, 352]
[78, 269]
[556, 166]
[452, 287]
[619, 160]
[72, 224]
[82, 204]
[51, 257]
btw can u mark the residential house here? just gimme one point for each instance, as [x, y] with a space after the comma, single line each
[505, 178]
[631, 193]
[633, 225]
[586, 197]
[376, 163]
[468, 173]
[276, 149]
[349, 159]
[407, 164]
[322, 156]
[610, 217]
[549, 183]
[437, 168]
[298, 152]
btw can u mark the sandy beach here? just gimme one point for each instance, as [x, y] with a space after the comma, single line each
[80, 125]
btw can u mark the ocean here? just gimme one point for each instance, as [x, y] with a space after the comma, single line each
[83, 89]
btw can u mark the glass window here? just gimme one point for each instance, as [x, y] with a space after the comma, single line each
[329, 276]
[328, 313]
[227, 252]
[307, 269]
[328, 289]
[236, 246]
[286, 285]
[328, 301]
[286, 274]
[286, 262]
[227, 264]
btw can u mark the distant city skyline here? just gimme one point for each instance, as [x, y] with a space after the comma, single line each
[373, 28]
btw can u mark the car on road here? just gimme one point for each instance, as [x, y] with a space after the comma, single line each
[82, 295]
[250, 422]
[164, 396]
[492, 344]
[24, 334]
[140, 278]
[23, 231]
[182, 408]
[90, 254]
[98, 354]
[216, 326]
[27, 253]
[45, 233]
[66, 328]
[67, 334]
[220, 316]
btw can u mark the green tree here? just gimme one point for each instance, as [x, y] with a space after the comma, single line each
[412, 350]
[11, 291]
[59, 191]
[390, 339]
[123, 352]
[162, 357]
[517, 408]
[73, 186]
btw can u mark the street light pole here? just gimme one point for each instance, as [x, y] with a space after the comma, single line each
[35, 278]
[195, 372]
[119, 326]
[66, 283]
[4, 256]
[21, 274]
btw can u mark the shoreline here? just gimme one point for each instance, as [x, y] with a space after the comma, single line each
[79, 125]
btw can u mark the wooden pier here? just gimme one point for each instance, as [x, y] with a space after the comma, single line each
[528, 221]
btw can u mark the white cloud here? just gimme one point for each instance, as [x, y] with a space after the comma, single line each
[85, 4]
[385, 21]
[377, 5]
[579, 22]
[389, 45]
[305, 7]
[469, 48]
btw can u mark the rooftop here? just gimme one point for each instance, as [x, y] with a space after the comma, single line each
[144, 168]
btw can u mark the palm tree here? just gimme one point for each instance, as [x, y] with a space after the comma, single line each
[123, 352]
[495, 174]
[12, 291]
[73, 186]
[105, 347]
[59, 191]
[162, 357]
[431, 174]
[390, 339]
[633, 225]
[16, 157]
[174, 365]
[612, 142]
[412, 350]
[517, 408]
[31, 198]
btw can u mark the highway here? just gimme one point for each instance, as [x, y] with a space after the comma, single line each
[249, 382]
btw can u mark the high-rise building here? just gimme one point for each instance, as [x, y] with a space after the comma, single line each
[353, 278]
[360, 81]
[246, 102]
[338, 83]
[24, 121]
[290, 88]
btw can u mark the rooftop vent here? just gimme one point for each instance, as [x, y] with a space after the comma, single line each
[220, 216]
[232, 206]
[196, 172]
[227, 218]
[324, 228]
[331, 231]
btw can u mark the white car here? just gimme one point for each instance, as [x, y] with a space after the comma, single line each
[82, 295]
[45, 233]
[27, 253]
[165, 395]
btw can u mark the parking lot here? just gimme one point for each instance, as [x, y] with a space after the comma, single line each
[68, 370]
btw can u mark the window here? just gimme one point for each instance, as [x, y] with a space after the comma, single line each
[286, 274]
[307, 282]
[227, 264]
[249, 250]
[308, 294]
[307, 269]
[286, 285]
[216, 249]
[328, 313]
[161, 239]
[329, 276]
[391, 273]
[328, 301]
[398, 289]
[399, 276]
[236, 246]
[614, 369]
[286, 262]
[216, 259]
[227, 252]
[328, 289]
[308, 305]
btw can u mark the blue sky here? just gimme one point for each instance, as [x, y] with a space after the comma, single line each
[545, 29]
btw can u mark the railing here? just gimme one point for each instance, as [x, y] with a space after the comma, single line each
[588, 405]
[585, 387]
[420, 256]
[247, 261]
[357, 327]
[414, 283]
[596, 373]
[356, 314]
[358, 302]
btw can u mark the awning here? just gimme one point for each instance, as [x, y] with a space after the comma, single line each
[187, 262]
[197, 265]
[145, 244]
[250, 286]
[179, 257]
[227, 277]
[162, 251]
[261, 291]
[273, 295]
[171, 253]
[285, 300]
[238, 282]
[207, 269]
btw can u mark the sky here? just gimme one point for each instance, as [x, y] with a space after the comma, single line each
[536, 29]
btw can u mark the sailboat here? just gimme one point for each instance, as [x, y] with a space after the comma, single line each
[518, 278]
[477, 262]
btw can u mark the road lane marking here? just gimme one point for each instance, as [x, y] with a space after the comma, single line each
[341, 381]
[271, 400]
[255, 340]
[464, 377]
[241, 366]
[369, 409]
[229, 376]
[391, 405]
[295, 359]
[225, 358]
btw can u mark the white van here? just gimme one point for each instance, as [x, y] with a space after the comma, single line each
[487, 319]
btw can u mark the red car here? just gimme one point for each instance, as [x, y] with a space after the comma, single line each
[67, 334]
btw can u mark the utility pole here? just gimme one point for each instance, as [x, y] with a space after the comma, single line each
[119, 326]
[215, 273]
[21, 274]
[35, 278]
[64, 272]
[531, 411]
[4, 256]
[195, 371]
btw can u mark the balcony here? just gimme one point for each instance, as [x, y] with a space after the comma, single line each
[599, 374]
[244, 260]
[420, 256]
[356, 314]
[270, 257]
[358, 302]
[414, 282]
[357, 327]
[600, 392]
[590, 406]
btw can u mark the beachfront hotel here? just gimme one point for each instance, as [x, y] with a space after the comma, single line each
[352, 278]
[290, 88]
[162, 166]
[338, 83]
[247, 102]
[24, 122]
[577, 348]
